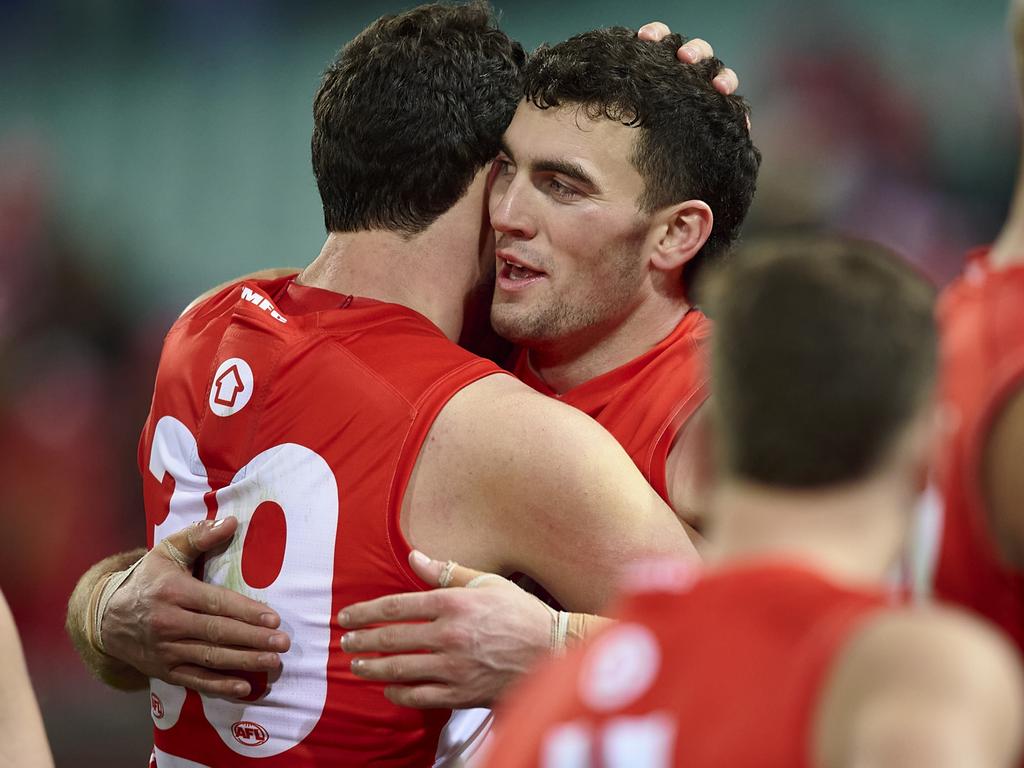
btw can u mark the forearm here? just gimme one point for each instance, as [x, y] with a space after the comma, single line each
[81, 608]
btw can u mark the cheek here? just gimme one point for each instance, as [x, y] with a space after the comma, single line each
[581, 239]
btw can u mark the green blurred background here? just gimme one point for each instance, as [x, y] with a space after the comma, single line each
[149, 150]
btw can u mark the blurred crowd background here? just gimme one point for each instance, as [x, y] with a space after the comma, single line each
[151, 149]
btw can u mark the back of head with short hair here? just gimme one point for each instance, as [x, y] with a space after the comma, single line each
[693, 142]
[409, 112]
[824, 351]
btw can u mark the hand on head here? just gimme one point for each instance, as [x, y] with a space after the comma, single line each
[726, 81]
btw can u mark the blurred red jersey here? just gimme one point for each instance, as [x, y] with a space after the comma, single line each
[981, 317]
[702, 671]
[301, 412]
[645, 403]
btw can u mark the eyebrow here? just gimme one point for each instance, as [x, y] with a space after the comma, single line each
[566, 168]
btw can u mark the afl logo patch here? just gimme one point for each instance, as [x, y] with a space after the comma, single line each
[232, 387]
[249, 734]
[156, 706]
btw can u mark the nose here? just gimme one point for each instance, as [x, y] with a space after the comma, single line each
[509, 206]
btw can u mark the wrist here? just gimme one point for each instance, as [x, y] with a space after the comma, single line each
[99, 601]
[571, 629]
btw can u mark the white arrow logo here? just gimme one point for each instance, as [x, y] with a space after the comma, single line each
[232, 387]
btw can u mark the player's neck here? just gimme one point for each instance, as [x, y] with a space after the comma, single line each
[384, 266]
[853, 533]
[1008, 248]
[568, 362]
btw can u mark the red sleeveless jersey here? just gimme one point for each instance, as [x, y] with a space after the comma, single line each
[981, 317]
[646, 402]
[301, 412]
[701, 671]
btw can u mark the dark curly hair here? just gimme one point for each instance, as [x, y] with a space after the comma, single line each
[693, 142]
[408, 113]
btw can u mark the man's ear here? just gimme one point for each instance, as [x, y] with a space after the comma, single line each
[681, 231]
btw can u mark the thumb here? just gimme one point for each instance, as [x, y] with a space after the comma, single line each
[186, 545]
[449, 574]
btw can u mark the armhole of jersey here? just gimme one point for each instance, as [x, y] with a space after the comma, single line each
[426, 410]
[1010, 381]
[674, 424]
[823, 648]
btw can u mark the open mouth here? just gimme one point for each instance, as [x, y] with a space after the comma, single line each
[513, 274]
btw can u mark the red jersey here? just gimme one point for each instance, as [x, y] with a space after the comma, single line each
[981, 317]
[645, 403]
[301, 412]
[702, 671]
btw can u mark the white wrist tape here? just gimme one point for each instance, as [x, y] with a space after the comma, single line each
[561, 627]
[94, 625]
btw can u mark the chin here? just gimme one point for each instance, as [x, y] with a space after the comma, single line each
[506, 324]
[518, 329]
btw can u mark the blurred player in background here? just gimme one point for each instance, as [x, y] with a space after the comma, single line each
[22, 736]
[787, 651]
[332, 415]
[981, 317]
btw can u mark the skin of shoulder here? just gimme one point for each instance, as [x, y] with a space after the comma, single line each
[509, 480]
[1004, 482]
[923, 687]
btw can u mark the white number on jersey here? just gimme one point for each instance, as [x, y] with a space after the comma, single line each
[301, 484]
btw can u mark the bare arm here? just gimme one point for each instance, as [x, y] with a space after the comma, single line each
[483, 631]
[688, 473]
[22, 736]
[929, 688]
[550, 494]
[1004, 482]
[530, 485]
[164, 623]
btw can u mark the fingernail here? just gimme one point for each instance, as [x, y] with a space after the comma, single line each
[418, 558]
[345, 642]
[218, 523]
[267, 659]
[356, 666]
[268, 620]
[691, 52]
[344, 618]
[278, 642]
[240, 689]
